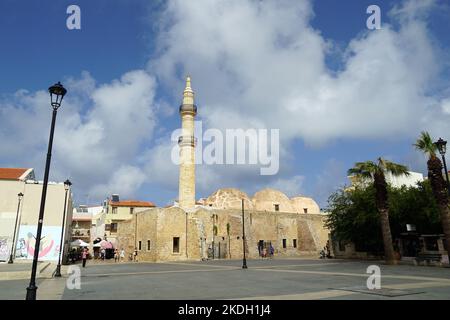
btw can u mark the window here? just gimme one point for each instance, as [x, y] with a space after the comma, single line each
[107, 227]
[305, 210]
[140, 245]
[294, 243]
[114, 210]
[284, 243]
[176, 245]
[148, 245]
[113, 227]
[277, 207]
[131, 210]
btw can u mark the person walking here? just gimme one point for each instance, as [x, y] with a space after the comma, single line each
[84, 255]
[272, 251]
[122, 255]
[135, 255]
[103, 252]
[116, 255]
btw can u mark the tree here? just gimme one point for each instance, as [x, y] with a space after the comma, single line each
[354, 215]
[376, 172]
[354, 218]
[425, 144]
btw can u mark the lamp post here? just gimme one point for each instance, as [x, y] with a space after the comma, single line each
[13, 247]
[213, 236]
[244, 261]
[57, 92]
[442, 147]
[67, 185]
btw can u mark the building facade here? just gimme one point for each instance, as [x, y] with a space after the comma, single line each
[208, 231]
[14, 181]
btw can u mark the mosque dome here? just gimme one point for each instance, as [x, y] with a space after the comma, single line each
[272, 200]
[305, 205]
[228, 198]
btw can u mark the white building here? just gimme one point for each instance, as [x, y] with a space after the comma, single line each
[22, 180]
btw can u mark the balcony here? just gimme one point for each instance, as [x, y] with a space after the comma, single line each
[187, 141]
[81, 233]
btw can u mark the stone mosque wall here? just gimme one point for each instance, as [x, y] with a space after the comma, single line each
[175, 234]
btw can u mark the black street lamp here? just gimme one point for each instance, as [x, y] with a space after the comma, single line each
[213, 236]
[244, 261]
[57, 92]
[67, 185]
[442, 147]
[13, 247]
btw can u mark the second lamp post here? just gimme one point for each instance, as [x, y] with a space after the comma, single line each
[244, 260]
[13, 247]
[442, 147]
[67, 185]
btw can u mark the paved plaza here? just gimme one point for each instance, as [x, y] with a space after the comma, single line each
[285, 279]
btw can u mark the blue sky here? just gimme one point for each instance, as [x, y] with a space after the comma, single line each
[338, 92]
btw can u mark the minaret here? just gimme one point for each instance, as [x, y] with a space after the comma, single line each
[187, 142]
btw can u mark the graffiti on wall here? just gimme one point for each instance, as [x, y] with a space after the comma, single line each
[4, 252]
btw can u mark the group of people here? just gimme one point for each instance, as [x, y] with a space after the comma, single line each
[120, 256]
[265, 252]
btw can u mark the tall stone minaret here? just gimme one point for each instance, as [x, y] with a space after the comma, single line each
[187, 141]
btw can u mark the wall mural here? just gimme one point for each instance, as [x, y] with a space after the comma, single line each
[49, 246]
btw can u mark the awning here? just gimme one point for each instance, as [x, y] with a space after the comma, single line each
[79, 243]
[106, 244]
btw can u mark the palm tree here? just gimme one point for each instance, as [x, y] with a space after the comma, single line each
[438, 185]
[376, 171]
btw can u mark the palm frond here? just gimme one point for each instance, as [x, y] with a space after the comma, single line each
[393, 168]
[425, 144]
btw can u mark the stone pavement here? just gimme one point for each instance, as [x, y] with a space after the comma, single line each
[277, 279]
[22, 270]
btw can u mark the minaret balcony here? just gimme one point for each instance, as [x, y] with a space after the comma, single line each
[187, 141]
[188, 108]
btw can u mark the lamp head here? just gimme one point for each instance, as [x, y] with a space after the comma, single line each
[67, 184]
[442, 146]
[57, 93]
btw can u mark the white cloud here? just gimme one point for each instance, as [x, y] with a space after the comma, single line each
[292, 186]
[261, 64]
[272, 73]
[126, 180]
[253, 64]
[99, 130]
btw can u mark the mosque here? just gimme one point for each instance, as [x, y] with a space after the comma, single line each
[213, 227]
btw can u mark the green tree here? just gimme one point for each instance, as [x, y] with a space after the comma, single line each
[376, 171]
[425, 144]
[354, 218]
[354, 215]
